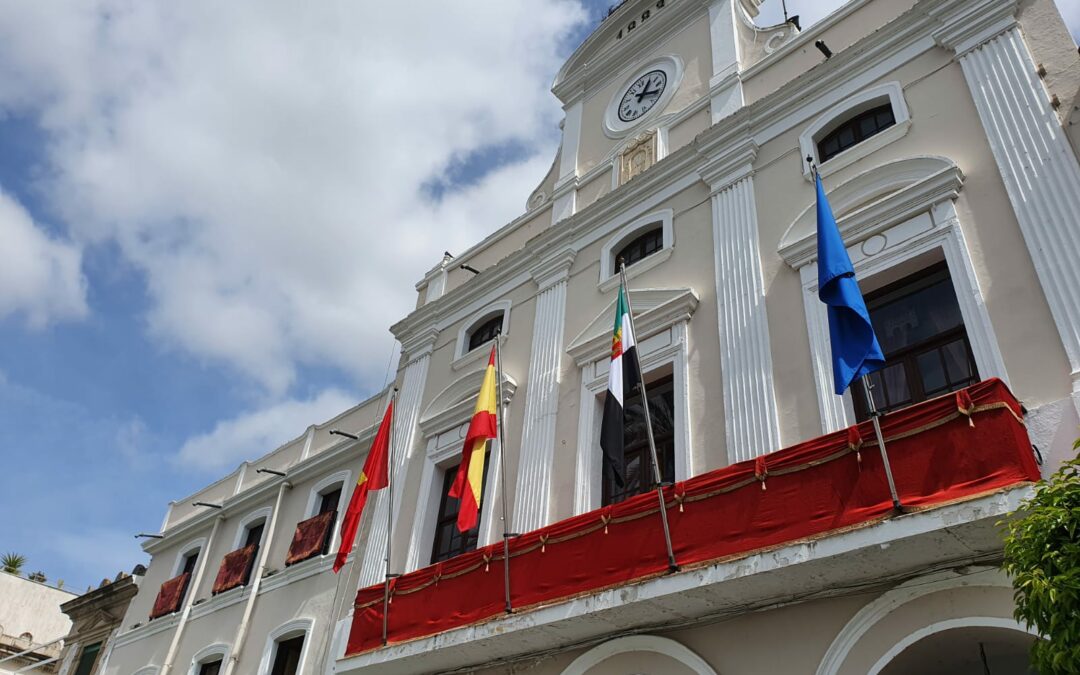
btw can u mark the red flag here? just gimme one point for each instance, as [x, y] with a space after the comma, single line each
[469, 482]
[373, 477]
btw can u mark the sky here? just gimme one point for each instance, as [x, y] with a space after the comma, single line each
[211, 213]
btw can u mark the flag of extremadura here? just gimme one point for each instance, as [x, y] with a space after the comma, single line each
[623, 376]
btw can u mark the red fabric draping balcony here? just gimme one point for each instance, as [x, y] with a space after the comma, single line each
[235, 569]
[310, 537]
[951, 448]
[170, 596]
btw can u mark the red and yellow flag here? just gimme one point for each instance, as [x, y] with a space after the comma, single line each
[469, 483]
[373, 477]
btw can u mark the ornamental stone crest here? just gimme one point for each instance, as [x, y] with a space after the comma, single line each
[639, 155]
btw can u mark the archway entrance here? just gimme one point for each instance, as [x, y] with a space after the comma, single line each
[971, 650]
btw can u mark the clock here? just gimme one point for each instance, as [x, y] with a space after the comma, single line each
[642, 95]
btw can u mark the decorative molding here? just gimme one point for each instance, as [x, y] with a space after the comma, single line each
[866, 99]
[638, 155]
[965, 26]
[949, 624]
[728, 164]
[639, 643]
[609, 276]
[419, 344]
[536, 457]
[1039, 169]
[287, 631]
[206, 654]
[751, 420]
[873, 201]
[654, 310]
[462, 354]
[672, 67]
[554, 268]
[178, 562]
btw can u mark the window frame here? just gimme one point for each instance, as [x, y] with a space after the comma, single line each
[606, 498]
[249, 519]
[195, 545]
[463, 355]
[609, 273]
[890, 93]
[287, 631]
[447, 477]
[208, 654]
[345, 479]
[854, 123]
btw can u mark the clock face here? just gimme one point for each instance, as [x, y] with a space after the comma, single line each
[642, 95]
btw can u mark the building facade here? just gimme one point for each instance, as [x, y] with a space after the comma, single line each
[32, 627]
[944, 132]
[95, 620]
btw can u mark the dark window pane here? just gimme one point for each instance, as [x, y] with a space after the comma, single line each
[641, 247]
[921, 331]
[87, 659]
[189, 562]
[287, 656]
[254, 534]
[328, 501]
[485, 332]
[639, 471]
[855, 130]
[211, 668]
[449, 542]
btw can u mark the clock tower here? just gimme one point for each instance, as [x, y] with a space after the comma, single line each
[653, 75]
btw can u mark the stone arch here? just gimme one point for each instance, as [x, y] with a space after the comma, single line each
[947, 625]
[639, 643]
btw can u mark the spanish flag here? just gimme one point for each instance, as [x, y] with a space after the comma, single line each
[373, 477]
[469, 484]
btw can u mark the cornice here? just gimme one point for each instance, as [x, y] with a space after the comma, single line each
[418, 344]
[966, 26]
[553, 269]
[736, 162]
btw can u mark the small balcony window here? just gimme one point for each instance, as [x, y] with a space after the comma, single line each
[855, 130]
[449, 541]
[639, 473]
[921, 331]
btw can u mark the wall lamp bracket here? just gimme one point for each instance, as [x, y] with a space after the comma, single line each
[346, 434]
[271, 472]
[149, 536]
[823, 48]
[208, 504]
[469, 268]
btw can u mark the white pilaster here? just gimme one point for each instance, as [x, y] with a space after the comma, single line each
[565, 192]
[532, 498]
[725, 86]
[749, 401]
[406, 415]
[1036, 162]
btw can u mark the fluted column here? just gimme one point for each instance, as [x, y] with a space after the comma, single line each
[532, 498]
[406, 415]
[749, 402]
[1036, 162]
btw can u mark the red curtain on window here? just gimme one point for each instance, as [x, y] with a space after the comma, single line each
[170, 596]
[958, 446]
[310, 537]
[235, 568]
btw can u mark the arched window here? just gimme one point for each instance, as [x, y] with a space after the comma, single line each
[485, 332]
[855, 130]
[641, 247]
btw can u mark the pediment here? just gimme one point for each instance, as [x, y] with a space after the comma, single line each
[874, 201]
[456, 402]
[654, 310]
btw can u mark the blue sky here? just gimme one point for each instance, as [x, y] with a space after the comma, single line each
[195, 264]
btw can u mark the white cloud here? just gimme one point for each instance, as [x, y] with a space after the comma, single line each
[262, 162]
[255, 433]
[40, 275]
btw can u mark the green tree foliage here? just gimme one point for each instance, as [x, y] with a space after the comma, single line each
[12, 563]
[1042, 556]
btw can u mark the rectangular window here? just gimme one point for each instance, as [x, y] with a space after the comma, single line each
[87, 659]
[328, 502]
[449, 542]
[210, 668]
[921, 331]
[287, 656]
[639, 473]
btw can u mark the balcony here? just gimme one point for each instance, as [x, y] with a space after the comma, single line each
[793, 523]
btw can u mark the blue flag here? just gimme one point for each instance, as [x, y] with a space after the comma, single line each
[855, 348]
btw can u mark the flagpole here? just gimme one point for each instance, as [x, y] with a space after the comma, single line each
[874, 415]
[389, 520]
[673, 566]
[502, 472]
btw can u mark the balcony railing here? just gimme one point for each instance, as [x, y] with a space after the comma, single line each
[953, 448]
